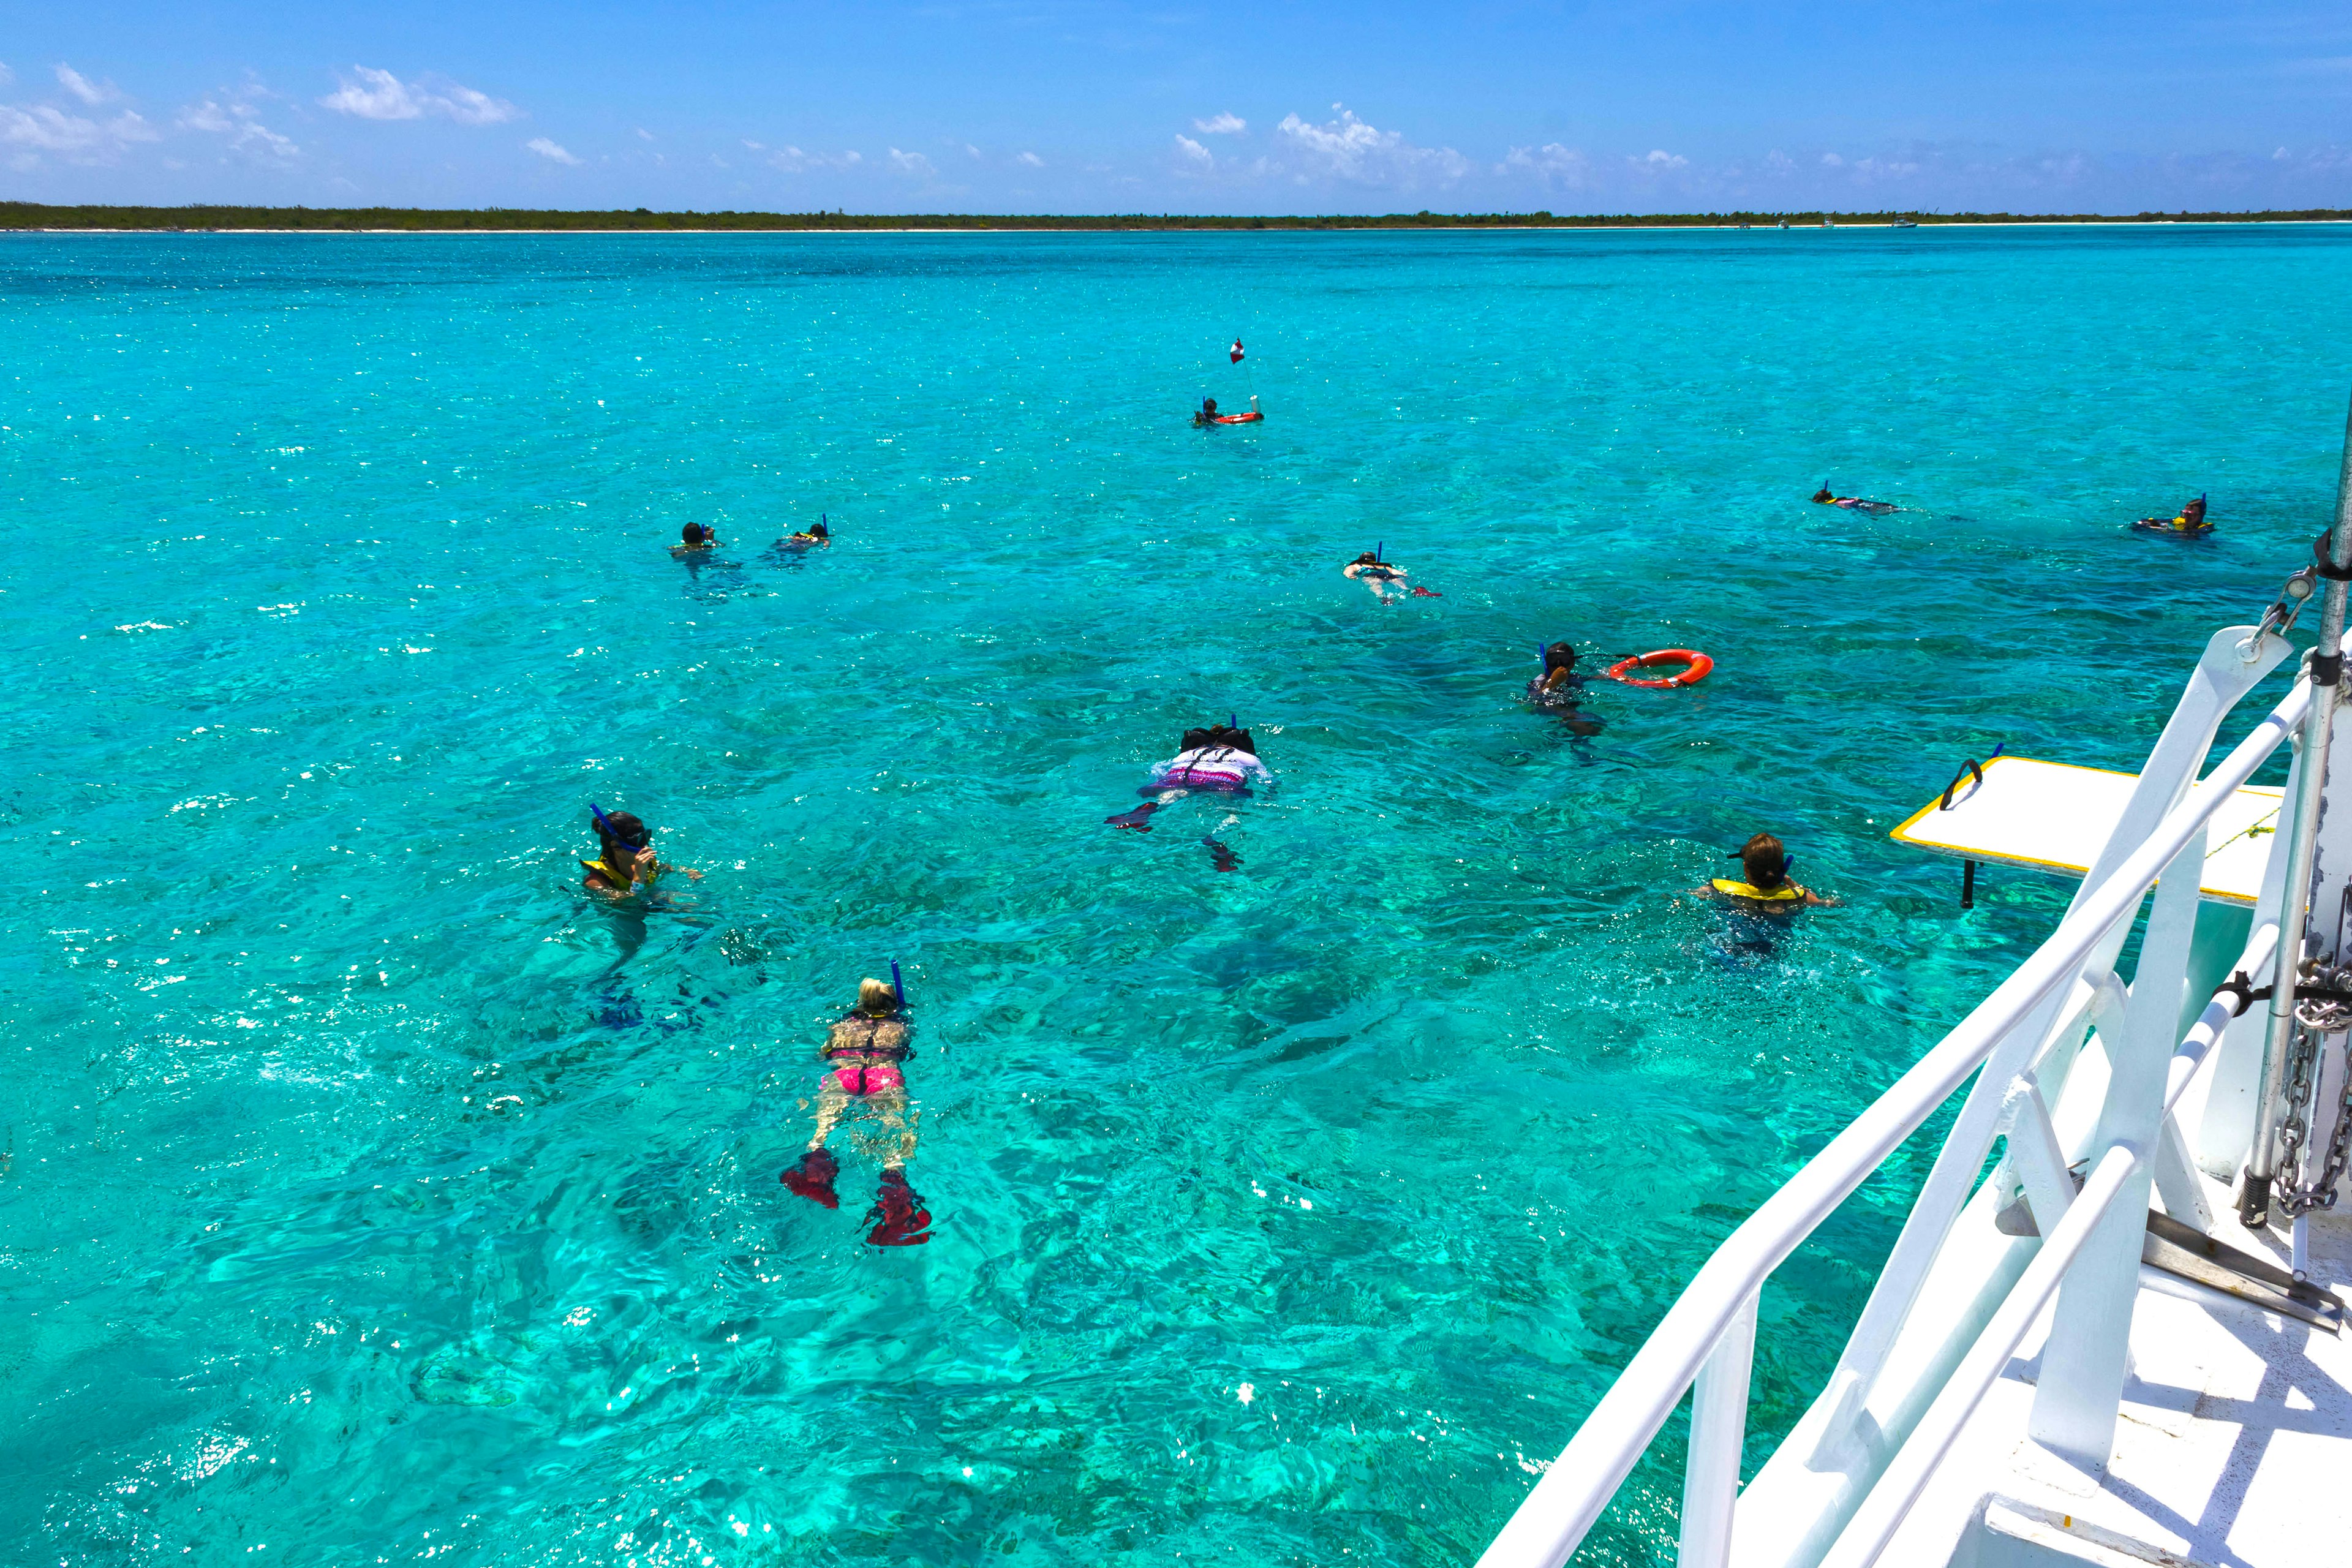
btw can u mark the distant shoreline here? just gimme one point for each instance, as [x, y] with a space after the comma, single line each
[29, 218]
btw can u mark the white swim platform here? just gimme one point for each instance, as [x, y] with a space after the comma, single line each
[2054, 817]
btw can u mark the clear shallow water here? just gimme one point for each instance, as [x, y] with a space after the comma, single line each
[365, 1195]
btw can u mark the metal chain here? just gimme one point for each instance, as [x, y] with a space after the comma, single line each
[2295, 1127]
[2321, 1195]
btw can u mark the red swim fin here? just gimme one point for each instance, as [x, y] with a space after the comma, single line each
[1221, 857]
[904, 1221]
[1420, 593]
[813, 1178]
[1139, 819]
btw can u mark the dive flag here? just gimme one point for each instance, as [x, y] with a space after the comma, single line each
[1237, 350]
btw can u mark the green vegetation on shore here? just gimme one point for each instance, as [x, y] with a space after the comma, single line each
[34, 215]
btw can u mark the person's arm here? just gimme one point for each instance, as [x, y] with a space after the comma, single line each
[646, 868]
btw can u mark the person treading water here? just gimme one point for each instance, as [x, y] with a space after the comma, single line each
[626, 863]
[1558, 687]
[865, 1052]
[694, 536]
[2191, 519]
[1767, 889]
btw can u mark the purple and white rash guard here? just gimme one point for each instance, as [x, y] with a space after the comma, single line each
[1213, 767]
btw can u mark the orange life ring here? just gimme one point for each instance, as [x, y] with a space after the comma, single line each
[1699, 667]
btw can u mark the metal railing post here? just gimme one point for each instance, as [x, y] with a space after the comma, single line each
[1718, 1434]
[2310, 788]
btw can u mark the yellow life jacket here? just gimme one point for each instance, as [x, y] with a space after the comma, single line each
[1782, 894]
[618, 878]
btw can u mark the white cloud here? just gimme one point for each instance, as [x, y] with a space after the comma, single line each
[794, 161]
[467, 107]
[1831, 161]
[47, 130]
[6, 75]
[91, 93]
[1553, 163]
[1035, 161]
[1660, 161]
[239, 123]
[913, 163]
[380, 95]
[645, 135]
[376, 95]
[1222, 124]
[1347, 149]
[754, 146]
[1193, 151]
[550, 151]
[971, 149]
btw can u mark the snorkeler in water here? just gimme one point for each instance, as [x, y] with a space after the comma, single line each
[2191, 519]
[1855, 503]
[694, 536]
[1768, 887]
[864, 1053]
[818, 532]
[1376, 574]
[1558, 688]
[1221, 759]
[626, 863]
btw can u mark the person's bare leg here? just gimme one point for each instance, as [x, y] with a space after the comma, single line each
[894, 1114]
[831, 1100]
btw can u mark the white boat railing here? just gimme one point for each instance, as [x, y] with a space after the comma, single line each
[1707, 1337]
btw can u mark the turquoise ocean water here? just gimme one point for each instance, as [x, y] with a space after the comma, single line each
[367, 1195]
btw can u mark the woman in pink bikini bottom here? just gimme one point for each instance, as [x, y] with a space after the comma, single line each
[863, 1052]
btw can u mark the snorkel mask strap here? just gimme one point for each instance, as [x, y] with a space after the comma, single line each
[605, 823]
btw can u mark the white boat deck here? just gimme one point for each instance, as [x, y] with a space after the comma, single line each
[2232, 1451]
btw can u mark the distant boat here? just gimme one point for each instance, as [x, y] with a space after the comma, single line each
[1784, 223]
[1827, 223]
[1904, 223]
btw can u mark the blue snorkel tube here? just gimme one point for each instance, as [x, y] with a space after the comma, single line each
[618, 836]
[605, 823]
[897, 986]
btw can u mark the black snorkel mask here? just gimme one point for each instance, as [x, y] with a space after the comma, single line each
[604, 824]
[1787, 861]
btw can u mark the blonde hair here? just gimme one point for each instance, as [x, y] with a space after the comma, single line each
[876, 997]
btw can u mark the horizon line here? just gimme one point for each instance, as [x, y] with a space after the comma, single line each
[217, 216]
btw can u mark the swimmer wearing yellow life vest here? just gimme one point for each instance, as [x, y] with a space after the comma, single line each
[1767, 889]
[2191, 521]
[694, 536]
[624, 862]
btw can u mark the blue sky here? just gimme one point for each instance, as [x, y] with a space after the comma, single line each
[1076, 106]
